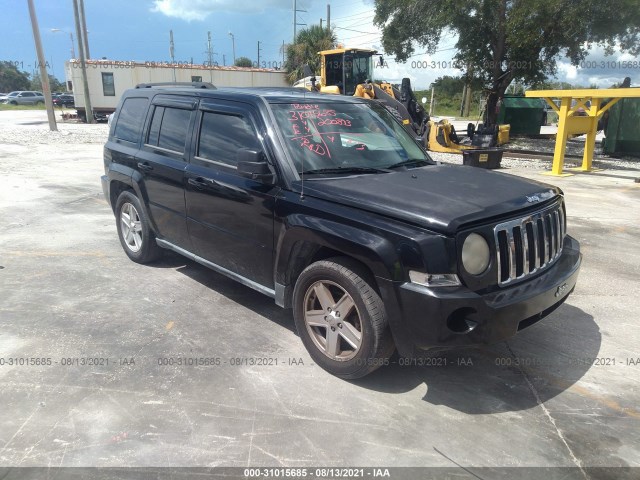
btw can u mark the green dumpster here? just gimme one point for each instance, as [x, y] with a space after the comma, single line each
[623, 128]
[525, 115]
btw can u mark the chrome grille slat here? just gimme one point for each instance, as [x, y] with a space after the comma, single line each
[556, 221]
[525, 249]
[512, 253]
[514, 248]
[534, 247]
[547, 248]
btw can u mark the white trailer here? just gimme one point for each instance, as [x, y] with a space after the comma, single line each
[108, 79]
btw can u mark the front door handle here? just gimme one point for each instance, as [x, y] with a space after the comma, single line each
[145, 166]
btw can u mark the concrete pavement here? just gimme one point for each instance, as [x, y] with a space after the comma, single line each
[564, 393]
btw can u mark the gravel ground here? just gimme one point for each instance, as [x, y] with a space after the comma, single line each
[543, 164]
[67, 133]
[33, 130]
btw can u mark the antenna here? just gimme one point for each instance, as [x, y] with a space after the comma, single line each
[304, 97]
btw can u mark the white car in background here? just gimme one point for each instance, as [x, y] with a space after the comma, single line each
[24, 97]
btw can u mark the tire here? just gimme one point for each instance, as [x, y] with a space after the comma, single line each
[38, 103]
[136, 237]
[341, 318]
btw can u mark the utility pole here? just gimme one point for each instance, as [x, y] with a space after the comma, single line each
[233, 45]
[83, 64]
[224, 60]
[320, 24]
[85, 33]
[259, 53]
[431, 103]
[295, 19]
[209, 49]
[328, 17]
[172, 54]
[210, 55]
[44, 76]
[284, 49]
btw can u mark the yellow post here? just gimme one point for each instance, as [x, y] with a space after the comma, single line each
[561, 138]
[590, 143]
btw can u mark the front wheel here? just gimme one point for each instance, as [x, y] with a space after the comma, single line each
[136, 237]
[341, 318]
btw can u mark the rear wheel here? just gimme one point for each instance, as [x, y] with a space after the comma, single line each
[136, 237]
[341, 318]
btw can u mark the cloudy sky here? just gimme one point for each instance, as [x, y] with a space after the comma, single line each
[139, 30]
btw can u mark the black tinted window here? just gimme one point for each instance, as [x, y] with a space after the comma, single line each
[221, 136]
[154, 130]
[131, 119]
[173, 128]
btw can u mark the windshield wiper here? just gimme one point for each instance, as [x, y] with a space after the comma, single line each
[410, 163]
[345, 170]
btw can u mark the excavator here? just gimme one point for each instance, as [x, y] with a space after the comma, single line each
[349, 71]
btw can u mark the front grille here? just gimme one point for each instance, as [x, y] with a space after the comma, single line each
[530, 244]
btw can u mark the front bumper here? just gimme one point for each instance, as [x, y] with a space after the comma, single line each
[423, 318]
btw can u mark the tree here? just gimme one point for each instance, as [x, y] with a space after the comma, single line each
[450, 86]
[499, 41]
[55, 84]
[243, 62]
[11, 78]
[304, 51]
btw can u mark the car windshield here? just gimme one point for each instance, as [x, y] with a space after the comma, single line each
[346, 137]
[14, 94]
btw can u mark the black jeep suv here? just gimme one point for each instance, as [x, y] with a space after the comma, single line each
[328, 205]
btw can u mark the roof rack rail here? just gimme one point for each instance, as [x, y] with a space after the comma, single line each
[206, 85]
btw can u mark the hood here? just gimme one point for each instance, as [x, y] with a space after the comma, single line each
[438, 197]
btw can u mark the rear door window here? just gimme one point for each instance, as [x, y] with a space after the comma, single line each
[169, 127]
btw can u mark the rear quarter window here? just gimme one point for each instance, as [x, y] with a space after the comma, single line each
[131, 119]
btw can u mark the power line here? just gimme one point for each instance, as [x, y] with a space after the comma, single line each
[360, 21]
[357, 31]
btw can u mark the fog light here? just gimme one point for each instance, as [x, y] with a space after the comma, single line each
[434, 279]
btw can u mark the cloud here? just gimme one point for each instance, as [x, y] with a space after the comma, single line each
[600, 69]
[199, 9]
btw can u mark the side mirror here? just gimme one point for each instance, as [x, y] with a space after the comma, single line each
[253, 164]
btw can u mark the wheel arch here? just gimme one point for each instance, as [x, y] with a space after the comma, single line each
[122, 178]
[303, 244]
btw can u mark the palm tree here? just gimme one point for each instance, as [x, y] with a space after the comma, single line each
[305, 50]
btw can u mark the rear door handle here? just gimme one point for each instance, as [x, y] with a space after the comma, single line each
[201, 182]
[145, 166]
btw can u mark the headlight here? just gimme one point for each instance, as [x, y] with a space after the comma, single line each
[475, 254]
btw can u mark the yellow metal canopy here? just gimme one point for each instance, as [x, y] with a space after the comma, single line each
[569, 123]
